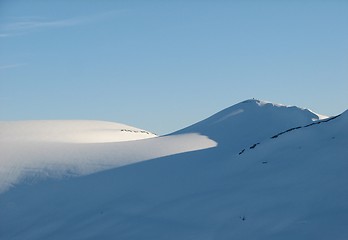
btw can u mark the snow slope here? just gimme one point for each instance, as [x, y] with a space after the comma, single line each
[73, 131]
[250, 121]
[32, 150]
[289, 187]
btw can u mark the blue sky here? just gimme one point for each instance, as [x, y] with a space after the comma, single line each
[162, 65]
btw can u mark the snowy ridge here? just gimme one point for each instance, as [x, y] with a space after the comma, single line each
[294, 128]
[263, 102]
[57, 148]
[28, 161]
[253, 111]
[70, 131]
[194, 184]
[250, 121]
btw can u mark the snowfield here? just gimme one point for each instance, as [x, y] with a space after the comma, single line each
[70, 132]
[256, 170]
[34, 150]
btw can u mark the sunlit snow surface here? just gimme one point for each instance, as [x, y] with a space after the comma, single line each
[39, 149]
[196, 184]
[70, 132]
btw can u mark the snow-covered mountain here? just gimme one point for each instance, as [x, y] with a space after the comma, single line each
[250, 121]
[256, 170]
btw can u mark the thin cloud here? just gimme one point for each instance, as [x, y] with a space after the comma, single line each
[35, 24]
[7, 66]
[29, 25]
[4, 35]
[26, 25]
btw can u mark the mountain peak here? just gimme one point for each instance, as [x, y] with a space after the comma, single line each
[262, 103]
[254, 100]
[252, 119]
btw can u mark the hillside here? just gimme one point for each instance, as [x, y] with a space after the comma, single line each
[36, 150]
[250, 121]
[195, 184]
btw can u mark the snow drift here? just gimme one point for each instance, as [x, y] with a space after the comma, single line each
[197, 185]
[34, 150]
[70, 131]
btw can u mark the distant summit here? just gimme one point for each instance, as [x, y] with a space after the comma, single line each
[249, 121]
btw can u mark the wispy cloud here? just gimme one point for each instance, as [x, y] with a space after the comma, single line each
[26, 25]
[29, 25]
[5, 35]
[7, 66]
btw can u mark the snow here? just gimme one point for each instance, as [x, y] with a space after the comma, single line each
[42, 148]
[195, 184]
[78, 131]
[60, 149]
[250, 122]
